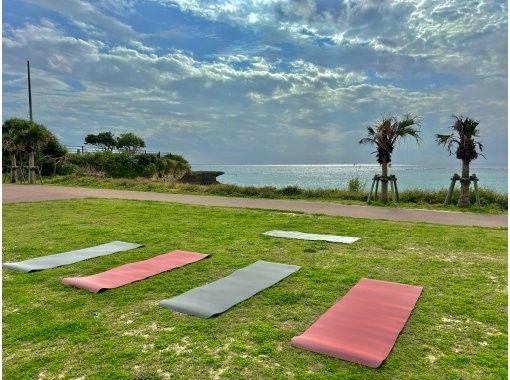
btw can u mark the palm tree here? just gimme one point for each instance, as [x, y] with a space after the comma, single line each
[384, 135]
[465, 130]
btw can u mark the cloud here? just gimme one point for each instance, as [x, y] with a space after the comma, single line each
[284, 97]
[90, 18]
[450, 35]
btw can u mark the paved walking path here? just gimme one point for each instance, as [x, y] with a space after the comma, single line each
[32, 193]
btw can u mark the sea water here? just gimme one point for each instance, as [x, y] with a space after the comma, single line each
[338, 175]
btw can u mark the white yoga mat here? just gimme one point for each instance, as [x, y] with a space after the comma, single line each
[305, 236]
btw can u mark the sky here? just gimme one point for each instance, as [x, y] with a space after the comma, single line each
[260, 81]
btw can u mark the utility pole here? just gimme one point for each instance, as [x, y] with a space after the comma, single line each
[31, 154]
[29, 92]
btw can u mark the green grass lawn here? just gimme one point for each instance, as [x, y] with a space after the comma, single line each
[458, 329]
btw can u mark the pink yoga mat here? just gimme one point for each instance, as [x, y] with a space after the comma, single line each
[363, 325]
[139, 270]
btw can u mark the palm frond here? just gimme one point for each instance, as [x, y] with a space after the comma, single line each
[408, 126]
[367, 140]
[465, 131]
[480, 147]
[443, 139]
[371, 131]
[387, 131]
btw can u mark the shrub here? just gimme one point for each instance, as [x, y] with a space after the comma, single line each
[290, 190]
[175, 157]
[128, 165]
[355, 185]
[150, 170]
[67, 168]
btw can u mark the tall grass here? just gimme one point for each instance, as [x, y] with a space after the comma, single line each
[354, 192]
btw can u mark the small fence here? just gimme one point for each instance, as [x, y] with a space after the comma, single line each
[79, 149]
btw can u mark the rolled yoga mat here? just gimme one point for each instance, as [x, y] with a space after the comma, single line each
[218, 296]
[71, 257]
[305, 236]
[363, 326]
[136, 271]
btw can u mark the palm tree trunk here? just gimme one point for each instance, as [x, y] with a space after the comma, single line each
[464, 186]
[14, 171]
[384, 182]
[31, 164]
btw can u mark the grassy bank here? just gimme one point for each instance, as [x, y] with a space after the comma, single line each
[491, 201]
[457, 331]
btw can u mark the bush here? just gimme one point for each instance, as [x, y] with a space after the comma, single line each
[67, 168]
[175, 157]
[290, 190]
[127, 165]
[355, 185]
[150, 170]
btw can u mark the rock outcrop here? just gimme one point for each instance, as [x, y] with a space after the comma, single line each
[201, 177]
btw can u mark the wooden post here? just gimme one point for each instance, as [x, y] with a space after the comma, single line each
[371, 189]
[39, 172]
[396, 189]
[376, 186]
[392, 189]
[475, 184]
[22, 172]
[14, 169]
[454, 179]
[31, 167]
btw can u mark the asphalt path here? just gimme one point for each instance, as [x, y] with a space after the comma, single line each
[12, 193]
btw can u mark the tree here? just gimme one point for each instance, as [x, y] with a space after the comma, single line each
[103, 140]
[54, 153]
[130, 142]
[11, 143]
[385, 135]
[465, 130]
[25, 136]
[34, 139]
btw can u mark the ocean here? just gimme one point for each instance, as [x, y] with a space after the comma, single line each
[337, 176]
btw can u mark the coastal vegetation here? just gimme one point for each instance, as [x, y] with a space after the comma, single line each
[128, 142]
[119, 163]
[103, 140]
[465, 130]
[24, 141]
[27, 145]
[127, 165]
[353, 193]
[458, 329]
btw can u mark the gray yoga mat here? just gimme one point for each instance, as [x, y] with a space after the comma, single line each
[218, 296]
[305, 236]
[71, 257]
